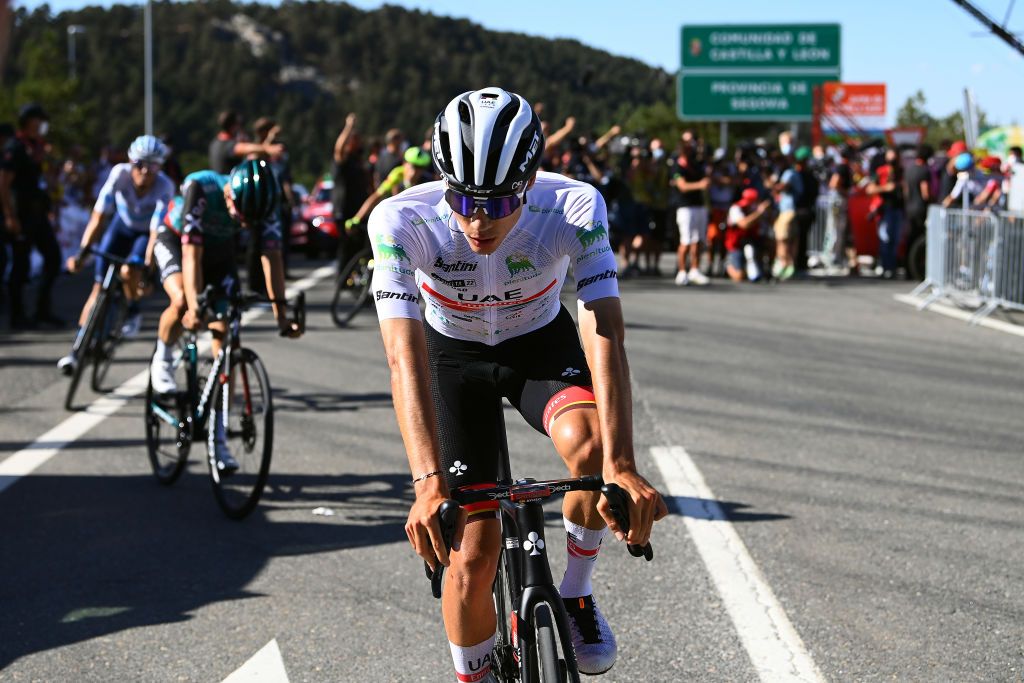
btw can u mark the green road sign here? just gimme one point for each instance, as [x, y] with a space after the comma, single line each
[748, 97]
[761, 46]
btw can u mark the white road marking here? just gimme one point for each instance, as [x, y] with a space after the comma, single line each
[266, 666]
[773, 645]
[953, 312]
[25, 461]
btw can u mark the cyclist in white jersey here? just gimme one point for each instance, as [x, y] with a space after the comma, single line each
[132, 198]
[488, 249]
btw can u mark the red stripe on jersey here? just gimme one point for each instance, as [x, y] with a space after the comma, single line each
[473, 306]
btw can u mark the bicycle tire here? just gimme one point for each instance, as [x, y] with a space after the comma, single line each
[503, 662]
[239, 493]
[549, 667]
[167, 465]
[108, 341]
[352, 291]
[87, 349]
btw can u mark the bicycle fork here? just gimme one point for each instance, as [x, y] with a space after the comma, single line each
[530, 569]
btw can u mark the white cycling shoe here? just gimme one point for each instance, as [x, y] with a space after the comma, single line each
[161, 375]
[67, 364]
[592, 638]
[132, 326]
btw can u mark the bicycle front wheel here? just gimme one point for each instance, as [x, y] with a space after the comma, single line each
[550, 668]
[87, 350]
[107, 340]
[168, 429]
[352, 292]
[243, 409]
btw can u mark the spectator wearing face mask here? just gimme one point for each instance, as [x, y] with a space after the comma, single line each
[660, 194]
[690, 180]
[887, 184]
[26, 204]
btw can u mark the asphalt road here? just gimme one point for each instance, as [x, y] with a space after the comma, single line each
[869, 458]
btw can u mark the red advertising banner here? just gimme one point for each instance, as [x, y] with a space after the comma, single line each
[854, 99]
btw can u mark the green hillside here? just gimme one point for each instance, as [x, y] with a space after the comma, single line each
[305, 63]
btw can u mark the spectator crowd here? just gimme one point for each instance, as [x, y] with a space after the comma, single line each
[744, 213]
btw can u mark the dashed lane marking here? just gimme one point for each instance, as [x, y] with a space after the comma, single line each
[775, 648]
[28, 459]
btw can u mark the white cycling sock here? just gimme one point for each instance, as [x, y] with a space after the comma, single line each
[472, 662]
[163, 351]
[583, 546]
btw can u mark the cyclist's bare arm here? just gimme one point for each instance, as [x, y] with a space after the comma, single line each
[602, 331]
[273, 272]
[406, 347]
[93, 231]
[192, 280]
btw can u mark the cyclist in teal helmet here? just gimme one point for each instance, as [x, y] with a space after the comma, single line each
[194, 244]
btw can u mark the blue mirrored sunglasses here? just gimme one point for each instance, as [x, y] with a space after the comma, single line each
[494, 207]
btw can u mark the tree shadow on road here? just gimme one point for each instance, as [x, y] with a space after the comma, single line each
[328, 401]
[718, 510]
[85, 557]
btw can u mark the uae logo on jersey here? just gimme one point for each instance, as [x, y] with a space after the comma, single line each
[390, 250]
[595, 234]
[518, 263]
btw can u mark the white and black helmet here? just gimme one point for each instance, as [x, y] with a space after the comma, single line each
[147, 148]
[487, 142]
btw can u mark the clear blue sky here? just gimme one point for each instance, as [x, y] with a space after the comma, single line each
[932, 45]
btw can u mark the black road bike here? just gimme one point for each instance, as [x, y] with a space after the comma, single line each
[236, 392]
[98, 339]
[352, 291]
[533, 642]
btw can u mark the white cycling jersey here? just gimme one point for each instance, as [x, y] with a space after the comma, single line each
[138, 214]
[418, 248]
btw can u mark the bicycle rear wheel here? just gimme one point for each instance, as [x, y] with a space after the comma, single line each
[107, 340]
[169, 428]
[352, 292]
[87, 351]
[244, 404]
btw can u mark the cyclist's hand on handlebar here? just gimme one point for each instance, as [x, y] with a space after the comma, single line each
[74, 263]
[424, 528]
[289, 328]
[646, 507]
[190, 321]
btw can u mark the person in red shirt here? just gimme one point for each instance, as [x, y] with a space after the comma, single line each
[741, 232]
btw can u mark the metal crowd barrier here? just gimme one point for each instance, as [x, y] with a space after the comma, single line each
[975, 259]
[821, 242]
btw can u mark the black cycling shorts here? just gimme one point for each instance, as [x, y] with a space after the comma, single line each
[218, 262]
[542, 374]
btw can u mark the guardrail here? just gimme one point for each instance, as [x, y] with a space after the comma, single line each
[975, 259]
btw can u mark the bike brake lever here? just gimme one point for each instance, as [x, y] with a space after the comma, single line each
[448, 517]
[618, 502]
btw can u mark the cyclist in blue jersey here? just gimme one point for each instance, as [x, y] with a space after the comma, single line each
[129, 199]
[194, 244]
[487, 248]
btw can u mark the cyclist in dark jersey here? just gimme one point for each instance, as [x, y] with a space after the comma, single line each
[195, 245]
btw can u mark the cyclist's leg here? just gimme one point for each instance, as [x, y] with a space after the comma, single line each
[556, 399]
[465, 400]
[167, 254]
